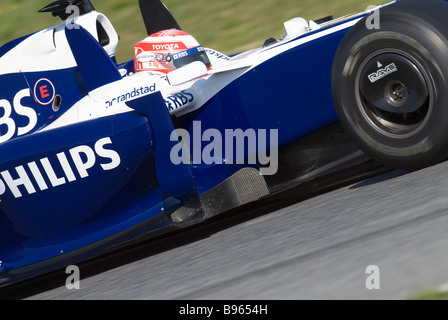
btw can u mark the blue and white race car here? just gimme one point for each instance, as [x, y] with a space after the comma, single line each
[97, 154]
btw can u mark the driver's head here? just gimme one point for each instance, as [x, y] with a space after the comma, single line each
[167, 50]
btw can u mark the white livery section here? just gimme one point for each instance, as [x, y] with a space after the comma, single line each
[49, 50]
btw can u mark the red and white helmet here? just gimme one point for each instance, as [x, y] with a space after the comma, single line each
[166, 50]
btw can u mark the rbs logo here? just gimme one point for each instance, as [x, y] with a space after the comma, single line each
[8, 127]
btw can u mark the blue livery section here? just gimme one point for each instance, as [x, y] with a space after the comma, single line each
[96, 67]
[31, 101]
[293, 102]
[175, 181]
[97, 162]
[290, 92]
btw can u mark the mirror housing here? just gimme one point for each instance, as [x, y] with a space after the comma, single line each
[187, 73]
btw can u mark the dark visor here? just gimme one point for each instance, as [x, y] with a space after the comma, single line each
[183, 58]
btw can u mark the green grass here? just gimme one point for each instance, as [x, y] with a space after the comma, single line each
[228, 26]
[431, 294]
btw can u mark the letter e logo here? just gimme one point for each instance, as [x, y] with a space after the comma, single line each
[44, 92]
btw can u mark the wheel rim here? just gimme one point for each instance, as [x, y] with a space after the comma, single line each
[394, 93]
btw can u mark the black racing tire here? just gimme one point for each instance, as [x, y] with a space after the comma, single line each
[390, 85]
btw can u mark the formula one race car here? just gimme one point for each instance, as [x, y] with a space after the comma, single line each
[97, 154]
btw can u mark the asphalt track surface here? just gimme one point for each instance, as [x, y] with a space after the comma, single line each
[314, 248]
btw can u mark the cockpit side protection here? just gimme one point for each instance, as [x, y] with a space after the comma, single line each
[95, 65]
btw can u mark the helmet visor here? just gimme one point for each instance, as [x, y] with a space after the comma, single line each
[185, 57]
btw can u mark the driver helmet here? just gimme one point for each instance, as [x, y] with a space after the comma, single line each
[167, 50]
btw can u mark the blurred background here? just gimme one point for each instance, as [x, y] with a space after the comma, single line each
[228, 26]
